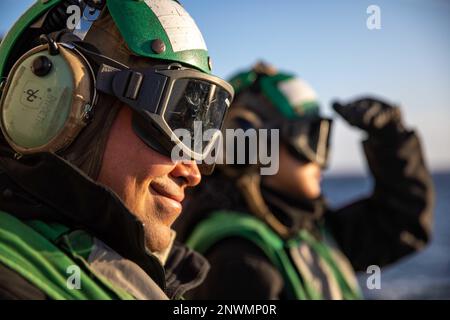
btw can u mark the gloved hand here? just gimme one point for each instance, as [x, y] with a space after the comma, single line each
[379, 119]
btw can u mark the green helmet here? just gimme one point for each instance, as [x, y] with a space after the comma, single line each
[267, 98]
[61, 55]
[157, 29]
[292, 97]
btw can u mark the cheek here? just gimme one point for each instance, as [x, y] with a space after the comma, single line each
[308, 182]
[127, 156]
[130, 172]
[299, 179]
[290, 171]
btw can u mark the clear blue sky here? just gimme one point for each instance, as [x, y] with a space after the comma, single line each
[328, 44]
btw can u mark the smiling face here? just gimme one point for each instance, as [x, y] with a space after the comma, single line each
[150, 184]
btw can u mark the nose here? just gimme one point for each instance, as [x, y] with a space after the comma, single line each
[188, 172]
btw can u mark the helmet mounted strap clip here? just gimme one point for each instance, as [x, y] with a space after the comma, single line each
[53, 48]
[134, 88]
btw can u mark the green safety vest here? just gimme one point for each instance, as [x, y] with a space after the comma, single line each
[226, 224]
[44, 254]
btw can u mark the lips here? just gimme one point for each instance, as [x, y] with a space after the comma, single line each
[169, 192]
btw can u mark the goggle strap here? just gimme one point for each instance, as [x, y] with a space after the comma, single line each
[126, 86]
[105, 77]
[322, 145]
[134, 84]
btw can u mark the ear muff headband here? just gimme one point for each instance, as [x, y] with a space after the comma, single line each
[47, 99]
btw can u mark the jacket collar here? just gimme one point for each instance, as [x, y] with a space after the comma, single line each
[295, 213]
[185, 270]
[46, 187]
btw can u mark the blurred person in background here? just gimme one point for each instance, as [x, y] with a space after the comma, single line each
[273, 236]
[88, 191]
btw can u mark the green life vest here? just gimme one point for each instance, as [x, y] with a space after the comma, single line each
[45, 255]
[226, 224]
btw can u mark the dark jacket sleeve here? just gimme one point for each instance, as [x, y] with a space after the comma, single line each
[239, 270]
[15, 287]
[396, 219]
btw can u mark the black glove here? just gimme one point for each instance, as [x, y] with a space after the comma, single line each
[379, 119]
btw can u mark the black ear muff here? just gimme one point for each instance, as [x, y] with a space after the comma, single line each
[47, 99]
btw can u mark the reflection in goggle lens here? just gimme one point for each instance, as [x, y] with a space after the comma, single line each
[310, 139]
[195, 102]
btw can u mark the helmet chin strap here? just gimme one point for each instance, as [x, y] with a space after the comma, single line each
[250, 186]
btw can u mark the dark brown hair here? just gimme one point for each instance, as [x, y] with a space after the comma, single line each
[86, 152]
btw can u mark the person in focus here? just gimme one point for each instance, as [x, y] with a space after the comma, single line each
[88, 188]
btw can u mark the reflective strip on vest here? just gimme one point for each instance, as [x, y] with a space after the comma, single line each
[29, 250]
[284, 255]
